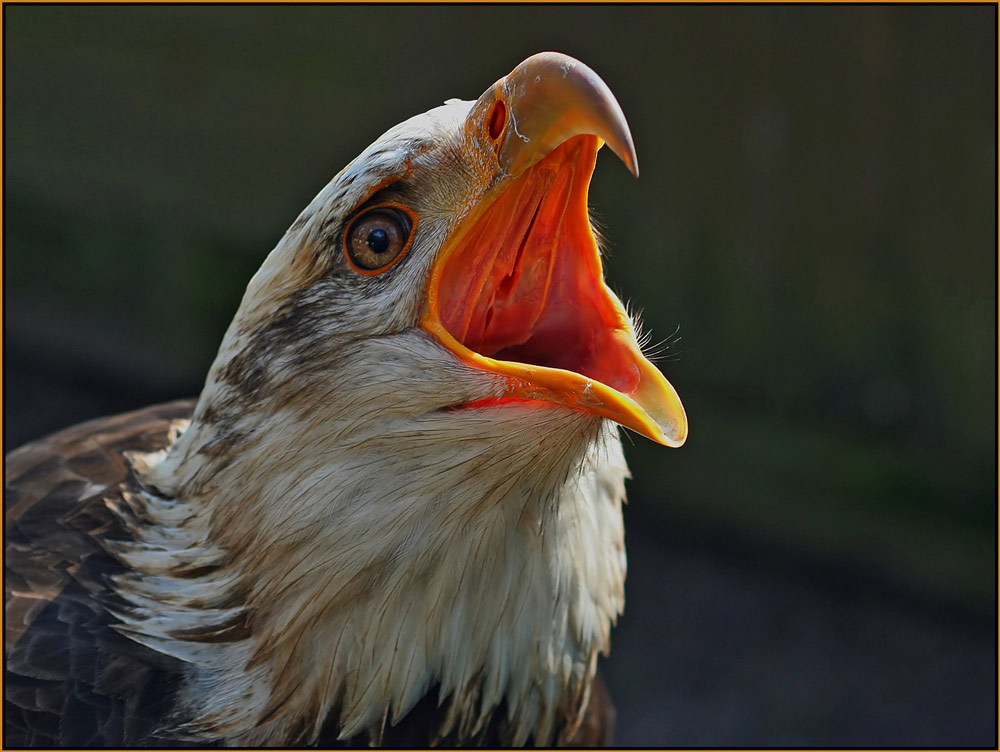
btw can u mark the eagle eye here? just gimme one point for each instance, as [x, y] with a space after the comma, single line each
[377, 238]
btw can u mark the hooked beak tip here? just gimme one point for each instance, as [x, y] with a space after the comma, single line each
[551, 98]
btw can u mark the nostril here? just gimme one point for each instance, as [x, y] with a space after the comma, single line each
[497, 120]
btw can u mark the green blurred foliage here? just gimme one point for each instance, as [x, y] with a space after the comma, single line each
[815, 217]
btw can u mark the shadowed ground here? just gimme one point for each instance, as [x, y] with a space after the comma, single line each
[729, 643]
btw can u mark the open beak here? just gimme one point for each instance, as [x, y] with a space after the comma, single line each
[518, 289]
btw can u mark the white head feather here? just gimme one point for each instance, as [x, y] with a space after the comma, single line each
[328, 536]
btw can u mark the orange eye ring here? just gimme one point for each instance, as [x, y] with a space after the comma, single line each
[384, 230]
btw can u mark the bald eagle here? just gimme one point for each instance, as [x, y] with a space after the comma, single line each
[393, 515]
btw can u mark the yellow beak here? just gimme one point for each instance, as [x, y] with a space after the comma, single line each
[518, 288]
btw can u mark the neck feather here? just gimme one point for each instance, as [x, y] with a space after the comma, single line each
[341, 567]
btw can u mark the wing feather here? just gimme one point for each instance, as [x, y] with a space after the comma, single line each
[71, 679]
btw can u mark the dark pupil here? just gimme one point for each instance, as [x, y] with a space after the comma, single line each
[378, 241]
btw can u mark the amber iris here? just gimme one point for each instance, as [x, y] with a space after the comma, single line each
[377, 238]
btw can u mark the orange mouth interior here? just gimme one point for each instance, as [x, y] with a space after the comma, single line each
[523, 283]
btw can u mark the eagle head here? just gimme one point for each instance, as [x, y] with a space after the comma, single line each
[403, 474]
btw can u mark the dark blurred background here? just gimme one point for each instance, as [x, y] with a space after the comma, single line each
[815, 223]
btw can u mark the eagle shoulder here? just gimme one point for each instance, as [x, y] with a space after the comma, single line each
[71, 679]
